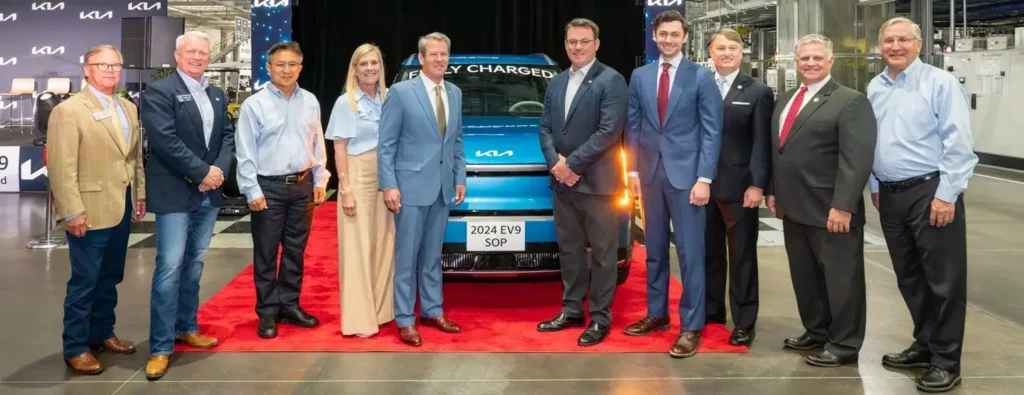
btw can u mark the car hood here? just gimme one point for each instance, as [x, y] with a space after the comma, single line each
[501, 140]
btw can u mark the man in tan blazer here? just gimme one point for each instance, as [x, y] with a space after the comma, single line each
[95, 170]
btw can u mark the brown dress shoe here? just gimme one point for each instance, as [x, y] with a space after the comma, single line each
[115, 345]
[410, 336]
[197, 340]
[443, 324]
[647, 325]
[85, 363]
[686, 344]
[157, 366]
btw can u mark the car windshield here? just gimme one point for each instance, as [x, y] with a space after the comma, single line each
[496, 89]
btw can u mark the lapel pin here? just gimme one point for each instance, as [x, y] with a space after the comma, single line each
[815, 99]
[216, 98]
[589, 81]
[739, 86]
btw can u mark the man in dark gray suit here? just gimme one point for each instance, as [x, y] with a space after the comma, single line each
[584, 113]
[823, 148]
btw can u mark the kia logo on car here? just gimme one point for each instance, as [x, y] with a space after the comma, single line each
[494, 153]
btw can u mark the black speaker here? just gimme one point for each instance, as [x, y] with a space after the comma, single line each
[148, 43]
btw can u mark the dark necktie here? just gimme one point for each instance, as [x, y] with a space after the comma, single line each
[663, 86]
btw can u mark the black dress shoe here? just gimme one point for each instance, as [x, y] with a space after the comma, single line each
[297, 317]
[938, 380]
[594, 335]
[561, 322]
[829, 360]
[742, 337]
[908, 359]
[802, 342]
[268, 327]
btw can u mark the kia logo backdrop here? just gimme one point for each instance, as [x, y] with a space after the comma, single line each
[46, 39]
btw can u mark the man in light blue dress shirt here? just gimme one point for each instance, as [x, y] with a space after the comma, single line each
[282, 172]
[923, 161]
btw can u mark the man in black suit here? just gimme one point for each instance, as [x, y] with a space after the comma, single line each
[823, 147]
[584, 113]
[743, 171]
[192, 142]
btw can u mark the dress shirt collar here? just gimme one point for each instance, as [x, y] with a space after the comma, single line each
[817, 85]
[104, 98]
[674, 61]
[193, 84]
[729, 78]
[908, 72]
[583, 70]
[277, 92]
[427, 82]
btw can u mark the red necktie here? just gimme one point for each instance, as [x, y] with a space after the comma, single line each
[663, 86]
[794, 109]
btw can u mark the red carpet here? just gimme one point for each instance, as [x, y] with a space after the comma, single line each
[495, 316]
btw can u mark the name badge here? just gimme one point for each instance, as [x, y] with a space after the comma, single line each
[101, 115]
[184, 98]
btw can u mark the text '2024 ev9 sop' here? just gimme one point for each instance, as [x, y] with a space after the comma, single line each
[505, 226]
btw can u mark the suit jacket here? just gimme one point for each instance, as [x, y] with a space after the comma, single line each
[745, 157]
[88, 163]
[587, 136]
[179, 158]
[411, 155]
[690, 139]
[827, 157]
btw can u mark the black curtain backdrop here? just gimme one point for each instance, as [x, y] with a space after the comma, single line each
[330, 30]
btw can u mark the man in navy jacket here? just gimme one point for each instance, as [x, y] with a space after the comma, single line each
[191, 142]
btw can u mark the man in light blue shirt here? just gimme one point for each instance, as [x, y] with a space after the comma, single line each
[923, 161]
[282, 172]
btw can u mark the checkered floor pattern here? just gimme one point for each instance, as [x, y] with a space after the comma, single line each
[234, 231]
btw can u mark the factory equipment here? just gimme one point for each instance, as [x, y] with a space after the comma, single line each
[994, 81]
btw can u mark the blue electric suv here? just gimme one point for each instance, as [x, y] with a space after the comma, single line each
[505, 227]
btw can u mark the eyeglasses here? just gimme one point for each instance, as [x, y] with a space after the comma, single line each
[283, 65]
[107, 66]
[573, 43]
[903, 41]
[195, 53]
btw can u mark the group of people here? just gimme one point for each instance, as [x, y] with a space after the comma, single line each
[706, 148]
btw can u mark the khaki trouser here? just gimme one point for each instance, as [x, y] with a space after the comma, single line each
[367, 256]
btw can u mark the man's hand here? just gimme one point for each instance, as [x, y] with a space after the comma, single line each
[214, 178]
[460, 194]
[634, 186]
[942, 213]
[838, 221]
[874, 200]
[770, 202]
[561, 171]
[77, 226]
[140, 210]
[348, 204]
[319, 195]
[258, 204]
[700, 193]
[752, 197]
[571, 180]
[393, 200]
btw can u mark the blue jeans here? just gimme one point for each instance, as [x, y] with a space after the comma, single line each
[97, 267]
[181, 243]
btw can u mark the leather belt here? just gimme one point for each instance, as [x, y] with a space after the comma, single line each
[289, 178]
[900, 186]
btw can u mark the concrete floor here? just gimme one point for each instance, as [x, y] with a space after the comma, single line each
[32, 287]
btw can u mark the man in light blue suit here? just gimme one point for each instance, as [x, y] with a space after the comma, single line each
[673, 131]
[421, 164]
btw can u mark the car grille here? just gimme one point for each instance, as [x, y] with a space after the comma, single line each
[528, 261]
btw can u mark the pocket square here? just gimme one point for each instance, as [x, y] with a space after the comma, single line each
[742, 103]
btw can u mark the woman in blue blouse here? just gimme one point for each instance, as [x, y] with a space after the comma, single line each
[366, 229]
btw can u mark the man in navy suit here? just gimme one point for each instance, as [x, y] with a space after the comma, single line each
[421, 165]
[674, 134]
[192, 143]
[584, 110]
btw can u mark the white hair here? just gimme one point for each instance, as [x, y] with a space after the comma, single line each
[815, 39]
[900, 19]
[435, 36]
[194, 34]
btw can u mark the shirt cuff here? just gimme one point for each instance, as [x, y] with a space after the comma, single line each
[946, 193]
[73, 216]
[254, 193]
[873, 184]
[704, 180]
